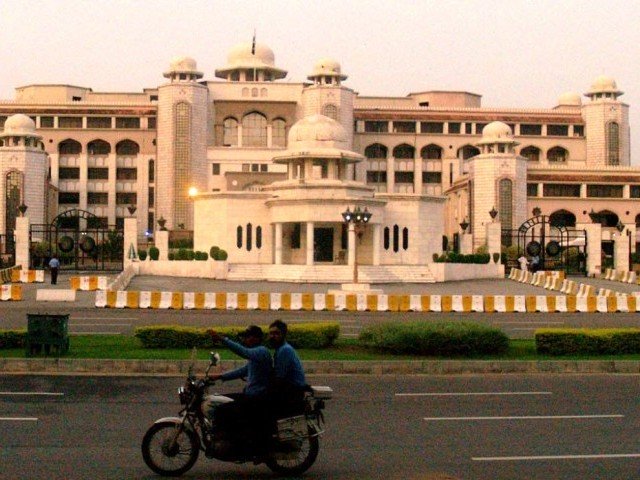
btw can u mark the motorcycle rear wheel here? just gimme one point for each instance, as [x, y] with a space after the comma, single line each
[304, 458]
[164, 458]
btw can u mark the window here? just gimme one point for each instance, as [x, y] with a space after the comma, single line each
[528, 129]
[468, 128]
[295, 236]
[557, 154]
[604, 191]
[403, 177]
[634, 191]
[69, 173]
[123, 173]
[150, 221]
[120, 223]
[454, 127]
[97, 198]
[264, 167]
[433, 127]
[182, 158]
[97, 222]
[99, 147]
[46, 122]
[320, 169]
[404, 151]
[467, 152]
[152, 123]
[578, 130]
[531, 153]
[69, 122]
[126, 198]
[371, 126]
[386, 238]
[396, 240]
[480, 127]
[330, 111]
[3, 119]
[98, 122]
[153, 98]
[13, 198]
[432, 177]
[404, 127]
[561, 190]
[69, 147]
[127, 147]
[230, 132]
[562, 218]
[76, 99]
[98, 173]
[558, 130]
[374, 176]
[215, 169]
[152, 171]
[613, 143]
[151, 198]
[127, 122]
[278, 133]
[405, 238]
[254, 130]
[505, 207]
[431, 152]
[532, 189]
[375, 151]
[68, 198]
[258, 238]
[249, 237]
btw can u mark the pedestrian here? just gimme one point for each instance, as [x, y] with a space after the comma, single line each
[54, 265]
[523, 262]
[535, 263]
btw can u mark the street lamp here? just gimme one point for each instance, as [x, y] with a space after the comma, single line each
[132, 209]
[463, 225]
[493, 212]
[358, 218]
[22, 208]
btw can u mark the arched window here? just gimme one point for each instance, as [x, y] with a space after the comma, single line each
[562, 218]
[13, 197]
[613, 143]
[467, 151]
[249, 237]
[239, 237]
[505, 206]
[230, 132]
[396, 239]
[376, 150]
[531, 153]
[99, 147]
[152, 171]
[69, 147]
[606, 218]
[404, 151]
[127, 147]
[638, 221]
[557, 154]
[258, 238]
[405, 238]
[278, 133]
[431, 152]
[330, 111]
[254, 130]
[386, 238]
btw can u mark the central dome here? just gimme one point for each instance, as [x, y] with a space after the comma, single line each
[20, 125]
[243, 55]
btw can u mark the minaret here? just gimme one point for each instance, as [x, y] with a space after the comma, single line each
[498, 180]
[181, 143]
[23, 172]
[606, 124]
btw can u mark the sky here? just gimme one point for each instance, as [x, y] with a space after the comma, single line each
[516, 53]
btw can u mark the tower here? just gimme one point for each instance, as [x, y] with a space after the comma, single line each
[181, 142]
[498, 180]
[23, 172]
[606, 124]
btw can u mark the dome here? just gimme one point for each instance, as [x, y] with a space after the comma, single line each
[20, 125]
[183, 64]
[497, 132]
[327, 67]
[603, 84]
[570, 99]
[247, 56]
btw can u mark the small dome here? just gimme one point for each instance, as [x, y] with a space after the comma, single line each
[497, 132]
[570, 99]
[603, 84]
[247, 56]
[183, 64]
[19, 125]
[327, 67]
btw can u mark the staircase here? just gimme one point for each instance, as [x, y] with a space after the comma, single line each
[330, 273]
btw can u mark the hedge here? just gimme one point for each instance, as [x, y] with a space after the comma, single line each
[580, 341]
[301, 335]
[12, 338]
[435, 338]
[453, 257]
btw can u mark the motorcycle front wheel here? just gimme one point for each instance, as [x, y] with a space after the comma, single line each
[298, 459]
[170, 450]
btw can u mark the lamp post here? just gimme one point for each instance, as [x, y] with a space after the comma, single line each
[493, 213]
[463, 225]
[132, 209]
[22, 208]
[358, 218]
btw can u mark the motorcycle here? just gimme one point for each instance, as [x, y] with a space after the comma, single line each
[171, 446]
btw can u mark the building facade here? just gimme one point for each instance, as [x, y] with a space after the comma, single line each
[424, 163]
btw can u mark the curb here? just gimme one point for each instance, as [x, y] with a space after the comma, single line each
[108, 367]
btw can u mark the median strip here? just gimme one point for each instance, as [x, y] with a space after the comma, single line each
[464, 394]
[523, 417]
[556, 457]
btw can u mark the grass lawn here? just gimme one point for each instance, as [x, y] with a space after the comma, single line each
[128, 347]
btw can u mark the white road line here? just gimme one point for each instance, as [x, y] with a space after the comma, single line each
[462, 394]
[555, 457]
[18, 419]
[524, 417]
[102, 318]
[99, 324]
[525, 323]
[95, 333]
[52, 394]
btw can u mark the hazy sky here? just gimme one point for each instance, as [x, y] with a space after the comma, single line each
[514, 53]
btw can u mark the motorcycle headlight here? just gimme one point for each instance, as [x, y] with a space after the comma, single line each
[183, 395]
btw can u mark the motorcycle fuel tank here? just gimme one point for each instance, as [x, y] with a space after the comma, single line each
[210, 402]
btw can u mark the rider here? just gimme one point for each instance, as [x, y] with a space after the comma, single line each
[289, 382]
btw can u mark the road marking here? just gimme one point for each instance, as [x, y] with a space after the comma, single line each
[18, 419]
[524, 417]
[462, 394]
[103, 318]
[95, 333]
[53, 394]
[526, 323]
[555, 457]
[99, 324]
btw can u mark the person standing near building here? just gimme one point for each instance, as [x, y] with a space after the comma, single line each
[54, 265]
[523, 262]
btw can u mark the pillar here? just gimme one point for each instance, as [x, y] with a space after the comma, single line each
[351, 254]
[130, 240]
[22, 242]
[278, 244]
[494, 237]
[594, 247]
[162, 243]
[621, 251]
[377, 234]
[466, 243]
[310, 243]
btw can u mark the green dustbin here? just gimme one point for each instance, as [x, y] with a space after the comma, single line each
[47, 332]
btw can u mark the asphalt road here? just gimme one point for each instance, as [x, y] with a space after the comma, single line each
[390, 427]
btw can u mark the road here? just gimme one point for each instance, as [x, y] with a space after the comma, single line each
[390, 427]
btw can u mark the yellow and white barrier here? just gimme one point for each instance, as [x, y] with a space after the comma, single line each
[10, 292]
[27, 276]
[89, 283]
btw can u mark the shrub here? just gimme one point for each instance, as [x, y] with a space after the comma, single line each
[301, 335]
[202, 256]
[222, 255]
[154, 253]
[213, 252]
[453, 257]
[190, 255]
[598, 341]
[435, 257]
[142, 254]
[171, 256]
[181, 243]
[435, 338]
[12, 338]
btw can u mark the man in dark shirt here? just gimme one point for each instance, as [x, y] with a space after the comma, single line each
[289, 381]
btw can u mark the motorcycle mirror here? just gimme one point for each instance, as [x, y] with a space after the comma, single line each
[215, 358]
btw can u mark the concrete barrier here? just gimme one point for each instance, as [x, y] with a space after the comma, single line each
[10, 292]
[89, 283]
[55, 295]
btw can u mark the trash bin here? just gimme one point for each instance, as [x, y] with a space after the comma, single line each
[47, 332]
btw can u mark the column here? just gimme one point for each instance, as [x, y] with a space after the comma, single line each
[621, 251]
[594, 247]
[162, 243]
[351, 253]
[310, 243]
[417, 174]
[22, 242]
[278, 244]
[391, 179]
[130, 240]
[377, 235]
[494, 240]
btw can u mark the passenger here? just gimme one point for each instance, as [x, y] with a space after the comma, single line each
[289, 382]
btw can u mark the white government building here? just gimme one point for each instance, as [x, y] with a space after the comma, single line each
[276, 163]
